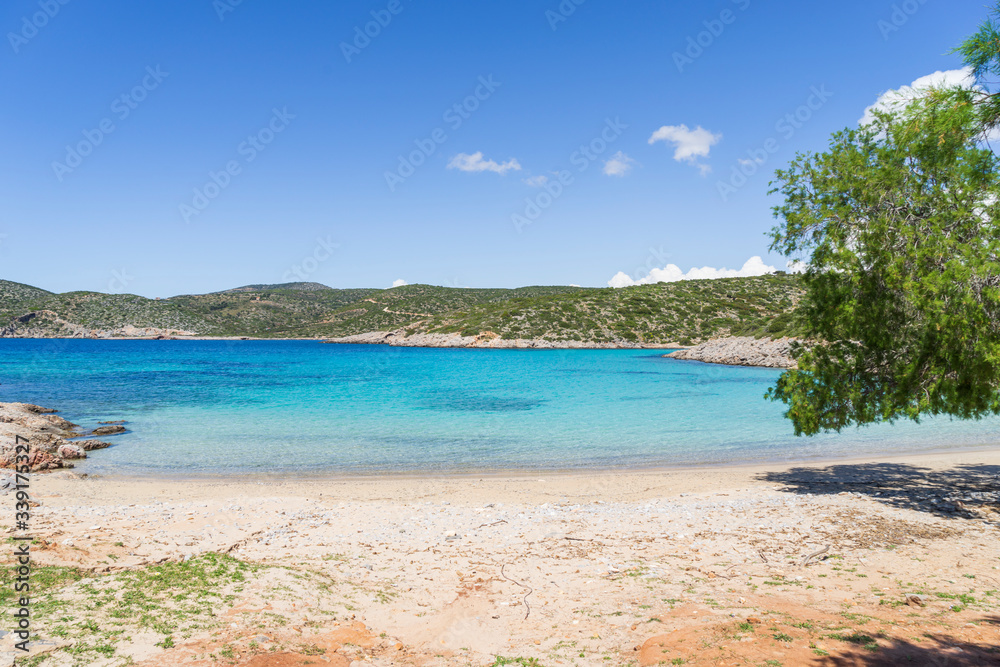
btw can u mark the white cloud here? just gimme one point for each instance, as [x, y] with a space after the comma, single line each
[619, 164]
[672, 273]
[689, 145]
[475, 162]
[896, 99]
[536, 181]
[399, 282]
[796, 266]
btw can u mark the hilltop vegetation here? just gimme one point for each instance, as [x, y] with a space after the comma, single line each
[685, 312]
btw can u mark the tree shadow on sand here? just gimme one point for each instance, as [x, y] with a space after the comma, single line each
[928, 649]
[965, 491]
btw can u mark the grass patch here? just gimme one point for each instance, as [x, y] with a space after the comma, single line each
[524, 662]
[859, 638]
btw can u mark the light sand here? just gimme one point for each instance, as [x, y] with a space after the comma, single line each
[618, 568]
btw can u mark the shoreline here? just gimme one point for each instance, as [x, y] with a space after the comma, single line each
[505, 344]
[423, 569]
[61, 444]
[991, 451]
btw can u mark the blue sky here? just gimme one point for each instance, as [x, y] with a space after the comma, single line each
[250, 141]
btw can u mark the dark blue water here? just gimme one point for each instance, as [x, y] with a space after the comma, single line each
[282, 406]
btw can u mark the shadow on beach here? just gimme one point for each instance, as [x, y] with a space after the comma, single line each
[965, 491]
[929, 649]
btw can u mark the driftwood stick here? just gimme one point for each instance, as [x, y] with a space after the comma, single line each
[815, 554]
[518, 583]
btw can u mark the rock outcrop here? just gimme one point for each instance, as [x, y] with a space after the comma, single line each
[741, 352]
[90, 445]
[109, 430]
[47, 435]
[70, 451]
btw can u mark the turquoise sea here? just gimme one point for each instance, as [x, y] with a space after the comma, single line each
[239, 407]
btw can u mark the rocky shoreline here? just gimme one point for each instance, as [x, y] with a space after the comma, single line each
[735, 351]
[52, 441]
[742, 351]
[488, 340]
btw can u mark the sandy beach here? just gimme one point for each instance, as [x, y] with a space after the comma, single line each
[855, 562]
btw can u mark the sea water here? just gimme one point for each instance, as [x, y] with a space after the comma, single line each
[281, 407]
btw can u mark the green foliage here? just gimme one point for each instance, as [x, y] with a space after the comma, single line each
[898, 222]
[981, 53]
[97, 614]
[681, 312]
[45, 580]
[523, 662]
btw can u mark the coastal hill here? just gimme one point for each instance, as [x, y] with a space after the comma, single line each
[683, 312]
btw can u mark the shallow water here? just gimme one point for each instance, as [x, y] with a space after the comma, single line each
[210, 407]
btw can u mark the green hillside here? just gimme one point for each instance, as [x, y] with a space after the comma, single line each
[263, 311]
[683, 312]
[17, 299]
[405, 307]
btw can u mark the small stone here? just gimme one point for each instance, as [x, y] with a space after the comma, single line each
[90, 445]
[71, 452]
[108, 430]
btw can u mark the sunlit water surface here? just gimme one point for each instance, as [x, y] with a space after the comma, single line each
[238, 407]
